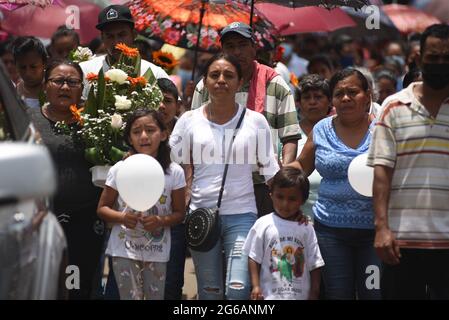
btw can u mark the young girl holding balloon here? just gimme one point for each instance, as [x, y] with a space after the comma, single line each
[139, 244]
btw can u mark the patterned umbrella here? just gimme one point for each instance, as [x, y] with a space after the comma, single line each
[195, 24]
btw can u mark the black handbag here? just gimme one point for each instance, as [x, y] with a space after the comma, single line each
[203, 227]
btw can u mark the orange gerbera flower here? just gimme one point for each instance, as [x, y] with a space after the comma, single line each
[127, 51]
[139, 80]
[91, 77]
[294, 81]
[77, 113]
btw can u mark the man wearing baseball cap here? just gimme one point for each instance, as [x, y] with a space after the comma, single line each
[264, 91]
[116, 25]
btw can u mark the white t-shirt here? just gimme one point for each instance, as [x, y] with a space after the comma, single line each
[95, 64]
[287, 253]
[208, 143]
[138, 244]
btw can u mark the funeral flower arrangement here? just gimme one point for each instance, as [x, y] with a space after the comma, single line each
[112, 97]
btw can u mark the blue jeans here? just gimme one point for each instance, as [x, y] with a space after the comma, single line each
[347, 254]
[209, 265]
[175, 267]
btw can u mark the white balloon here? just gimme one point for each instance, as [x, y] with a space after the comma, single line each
[140, 181]
[361, 176]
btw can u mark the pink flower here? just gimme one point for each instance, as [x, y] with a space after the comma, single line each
[154, 26]
[192, 38]
[172, 36]
[167, 24]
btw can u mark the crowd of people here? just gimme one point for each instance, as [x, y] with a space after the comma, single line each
[282, 131]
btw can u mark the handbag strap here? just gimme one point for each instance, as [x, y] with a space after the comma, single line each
[220, 196]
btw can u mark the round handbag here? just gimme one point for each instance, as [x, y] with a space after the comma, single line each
[203, 229]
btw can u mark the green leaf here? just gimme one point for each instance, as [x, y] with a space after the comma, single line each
[149, 76]
[116, 154]
[90, 106]
[101, 89]
[137, 67]
[92, 155]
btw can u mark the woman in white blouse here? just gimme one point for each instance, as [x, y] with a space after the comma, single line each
[200, 141]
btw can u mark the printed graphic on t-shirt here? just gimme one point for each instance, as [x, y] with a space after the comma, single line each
[287, 265]
[139, 240]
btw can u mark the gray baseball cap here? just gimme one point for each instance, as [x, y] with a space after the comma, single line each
[237, 27]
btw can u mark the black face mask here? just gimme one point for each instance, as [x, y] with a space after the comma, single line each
[436, 75]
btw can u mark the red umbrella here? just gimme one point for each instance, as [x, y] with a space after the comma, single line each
[43, 22]
[307, 19]
[409, 19]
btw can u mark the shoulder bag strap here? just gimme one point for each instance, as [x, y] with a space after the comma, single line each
[227, 160]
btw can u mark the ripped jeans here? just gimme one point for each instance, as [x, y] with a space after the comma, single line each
[209, 265]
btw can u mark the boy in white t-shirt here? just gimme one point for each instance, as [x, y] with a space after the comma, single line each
[284, 257]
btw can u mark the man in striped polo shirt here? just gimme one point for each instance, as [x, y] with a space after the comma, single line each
[410, 155]
[264, 91]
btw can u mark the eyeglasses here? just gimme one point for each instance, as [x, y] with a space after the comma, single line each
[72, 83]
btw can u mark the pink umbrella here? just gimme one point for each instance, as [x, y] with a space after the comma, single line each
[409, 19]
[307, 19]
[42, 22]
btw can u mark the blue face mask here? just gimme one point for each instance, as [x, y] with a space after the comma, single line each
[288, 50]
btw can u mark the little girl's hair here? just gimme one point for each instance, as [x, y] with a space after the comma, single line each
[163, 152]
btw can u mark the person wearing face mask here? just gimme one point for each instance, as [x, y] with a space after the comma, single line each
[410, 156]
